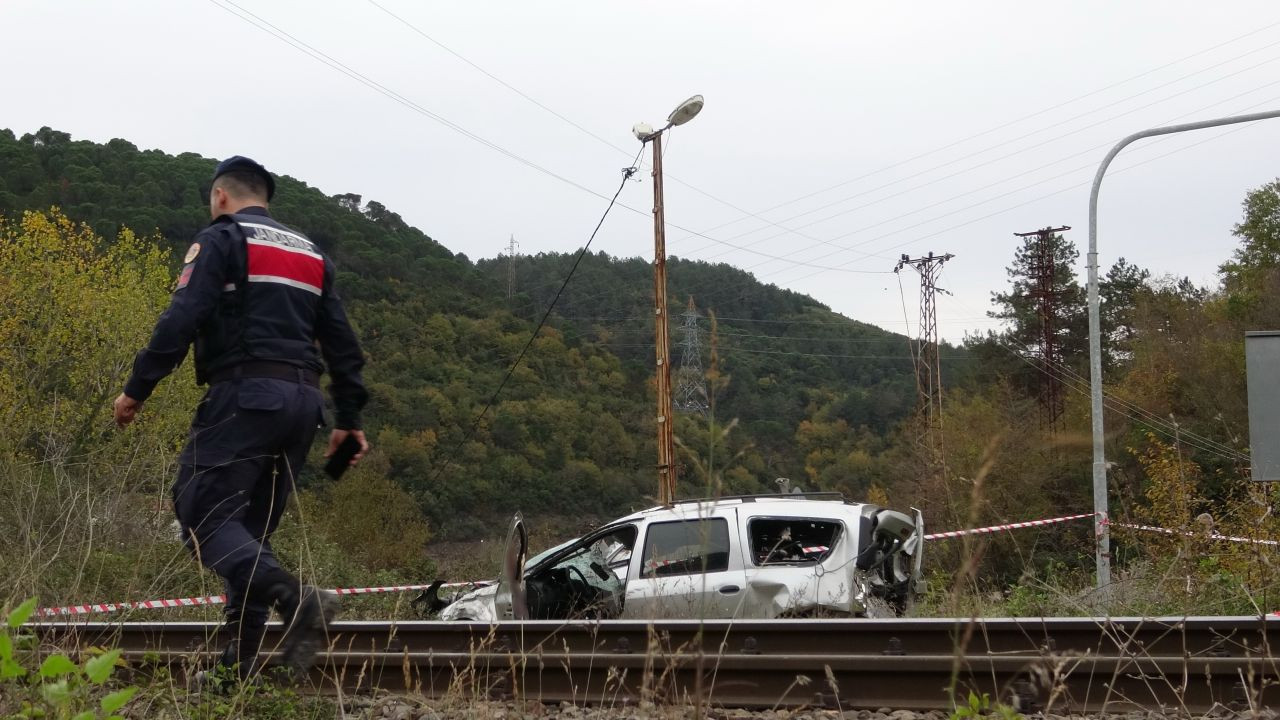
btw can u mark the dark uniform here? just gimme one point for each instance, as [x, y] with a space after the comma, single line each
[255, 297]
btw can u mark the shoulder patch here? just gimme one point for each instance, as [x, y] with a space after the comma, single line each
[192, 252]
[185, 276]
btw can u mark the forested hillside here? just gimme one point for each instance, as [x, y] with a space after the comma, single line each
[794, 390]
[572, 433]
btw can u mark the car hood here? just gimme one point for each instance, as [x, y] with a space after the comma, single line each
[476, 606]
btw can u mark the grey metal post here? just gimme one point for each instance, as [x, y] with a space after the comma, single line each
[1095, 331]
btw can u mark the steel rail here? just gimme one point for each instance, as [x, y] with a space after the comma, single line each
[1189, 664]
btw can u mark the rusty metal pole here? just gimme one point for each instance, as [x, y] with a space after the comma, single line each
[666, 434]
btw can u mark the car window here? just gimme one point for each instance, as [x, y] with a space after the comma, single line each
[686, 547]
[601, 551]
[791, 540]
[582, 583]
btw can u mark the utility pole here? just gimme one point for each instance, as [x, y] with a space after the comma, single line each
[691, 390]
[511, 267]
[1044, 269]
[928, 363]
[1100, 499]
[662, 332]
[683, 113]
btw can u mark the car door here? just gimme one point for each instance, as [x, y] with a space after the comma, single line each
[687, 568]
[509, 602]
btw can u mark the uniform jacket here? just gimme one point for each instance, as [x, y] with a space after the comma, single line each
[252, 289]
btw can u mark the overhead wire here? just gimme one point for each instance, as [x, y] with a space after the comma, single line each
[1119, 404]
[569, 121]
[1010, 123]
[284, 36]
[320, 56]
[1155, 142]
[746, 213]
[733, 349]
[1005, 144]
[475, 424]
[1003, 180]
[711, 299]
[1212, 137]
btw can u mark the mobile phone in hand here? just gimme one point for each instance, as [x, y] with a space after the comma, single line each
[340, 460]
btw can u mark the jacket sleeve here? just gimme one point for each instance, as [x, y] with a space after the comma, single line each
[199, 288]
[342, 356]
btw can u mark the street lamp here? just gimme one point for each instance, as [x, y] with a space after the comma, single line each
[683, 113]
[1103, 555]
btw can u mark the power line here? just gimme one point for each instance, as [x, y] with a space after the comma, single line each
[791, 260]
[1129, 409]
[318, 55]
[1021, 188]
[475, 424]
[1238, 128]
[575, 125]
[732, 349]
[1066, 103]
[831, 241]
[843, 266]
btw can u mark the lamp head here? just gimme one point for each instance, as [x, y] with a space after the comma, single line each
[686, 111]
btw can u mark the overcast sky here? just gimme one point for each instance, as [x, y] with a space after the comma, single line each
[884, 127]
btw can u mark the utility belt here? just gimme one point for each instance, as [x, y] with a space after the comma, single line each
[267, 369]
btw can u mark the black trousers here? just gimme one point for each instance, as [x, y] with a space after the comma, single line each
[248, 440]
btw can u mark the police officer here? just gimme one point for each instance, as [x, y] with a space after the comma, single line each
[258, 300]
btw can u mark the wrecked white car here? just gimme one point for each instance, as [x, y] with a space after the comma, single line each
[760, 556]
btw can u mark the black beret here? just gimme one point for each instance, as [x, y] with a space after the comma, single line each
[239, 162]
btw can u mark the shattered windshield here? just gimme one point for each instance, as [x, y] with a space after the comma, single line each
[586, 582]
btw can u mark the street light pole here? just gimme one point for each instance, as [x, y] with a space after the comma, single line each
[662, 334]
[1102, 535]
[683, 113]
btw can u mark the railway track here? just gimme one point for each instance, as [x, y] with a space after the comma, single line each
[1062, 664]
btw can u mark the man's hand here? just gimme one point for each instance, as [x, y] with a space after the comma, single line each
[126, 409]
[337, 436]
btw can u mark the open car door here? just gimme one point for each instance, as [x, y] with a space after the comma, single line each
[510, 602]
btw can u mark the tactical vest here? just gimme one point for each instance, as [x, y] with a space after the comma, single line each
[269, 312]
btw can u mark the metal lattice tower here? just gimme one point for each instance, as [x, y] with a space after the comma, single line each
[928, 363]
[1045, 291]
[691, 384]
[511, 267]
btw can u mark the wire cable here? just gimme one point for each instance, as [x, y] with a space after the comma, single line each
[759, 216]
[1119, 404]
[1211, 138]
[1024, 118]
[475, 424]
[1003, 180]
[853, 248]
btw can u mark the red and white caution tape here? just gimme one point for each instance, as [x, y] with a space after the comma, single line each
[1187, 533]
[142, 605]
[651, 565]
[1130, 526]
[1009, 526]
[220, 599]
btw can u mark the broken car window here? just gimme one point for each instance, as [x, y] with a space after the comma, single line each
[791, 540]
[686, 547]
[583, 583]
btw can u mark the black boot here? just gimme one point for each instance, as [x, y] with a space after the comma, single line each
[305, 610]
[307, 629]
